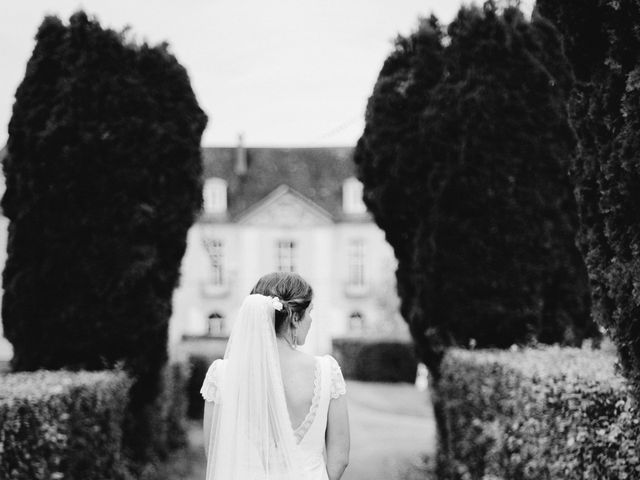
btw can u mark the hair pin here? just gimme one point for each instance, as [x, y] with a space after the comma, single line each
[277, 304]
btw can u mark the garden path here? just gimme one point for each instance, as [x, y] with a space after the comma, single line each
[392, 432]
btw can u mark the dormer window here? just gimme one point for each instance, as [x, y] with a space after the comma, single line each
[352, 196]
[215, 195]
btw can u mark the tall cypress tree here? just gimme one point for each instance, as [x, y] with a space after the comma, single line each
[603, 40]
[498, 234]
[488, 213]
[389, 152]
[103, 180]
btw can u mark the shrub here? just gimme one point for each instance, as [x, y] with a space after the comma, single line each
[62, 425]
[537, 414]
[169, 428]
[376, 360]
[198, 366]
[176, 407]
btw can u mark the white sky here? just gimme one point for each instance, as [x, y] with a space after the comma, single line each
[283, 72]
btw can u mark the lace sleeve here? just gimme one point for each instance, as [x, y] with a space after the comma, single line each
[338, 387]
[210, 390]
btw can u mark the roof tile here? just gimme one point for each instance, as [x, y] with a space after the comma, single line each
[317, 173]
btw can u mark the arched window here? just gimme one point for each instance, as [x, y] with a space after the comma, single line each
[352, 196]
[215, 195]
[215, 324]
[356, 322]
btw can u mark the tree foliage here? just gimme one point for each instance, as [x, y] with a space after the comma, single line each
[464, 162]
[605, 109]
[103, 180]
[391, 141]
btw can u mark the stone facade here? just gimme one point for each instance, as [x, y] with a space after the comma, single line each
[320, 230]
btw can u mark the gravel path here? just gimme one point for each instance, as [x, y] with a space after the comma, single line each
[392, 432]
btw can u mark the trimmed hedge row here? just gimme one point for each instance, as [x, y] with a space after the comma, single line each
[168, 420]
[62, 425]
[376, 360]
[175, 402]
[536, 414]
[198, 366]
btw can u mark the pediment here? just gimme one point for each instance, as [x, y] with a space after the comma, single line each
[285, 207]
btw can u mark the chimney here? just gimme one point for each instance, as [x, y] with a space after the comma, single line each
[241, 158]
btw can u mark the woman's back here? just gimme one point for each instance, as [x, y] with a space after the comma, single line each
[300, 378]
[270, 410]
[313, 385]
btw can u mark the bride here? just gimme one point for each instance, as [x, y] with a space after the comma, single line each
[273, 412]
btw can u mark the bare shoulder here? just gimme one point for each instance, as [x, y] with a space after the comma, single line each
[306, 359]
[299, 359]
[298, 370]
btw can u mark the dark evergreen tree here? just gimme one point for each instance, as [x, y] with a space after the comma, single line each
[603, 45]
[389, 150]
[500, 237]
[103, 180]
[477, 183]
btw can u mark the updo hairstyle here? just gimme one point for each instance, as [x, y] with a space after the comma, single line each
[292, 290]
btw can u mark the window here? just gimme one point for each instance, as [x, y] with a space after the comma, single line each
[215, 195]
[285, 256]
[215, 324]
[215, 250]
[355, 263]
[352, 196]
[356, 322]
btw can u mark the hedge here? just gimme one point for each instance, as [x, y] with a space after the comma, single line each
[198, 366]
[176, 406]
[376, 360]
[169, 414]
[62, 425]
[536, 414]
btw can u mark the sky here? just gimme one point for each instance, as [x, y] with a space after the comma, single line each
[279, 72]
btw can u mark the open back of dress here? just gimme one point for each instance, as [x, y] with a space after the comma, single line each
[310, 435]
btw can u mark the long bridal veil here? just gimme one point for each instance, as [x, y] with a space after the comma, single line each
[251, 436]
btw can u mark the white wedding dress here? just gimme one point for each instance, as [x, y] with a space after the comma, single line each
[310, 435]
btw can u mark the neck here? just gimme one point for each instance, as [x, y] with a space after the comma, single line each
[283, 341]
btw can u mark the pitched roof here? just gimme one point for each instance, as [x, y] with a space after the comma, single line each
[316, 173]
